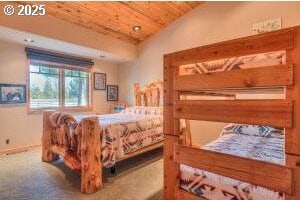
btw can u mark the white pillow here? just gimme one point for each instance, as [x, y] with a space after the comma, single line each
[142, 110]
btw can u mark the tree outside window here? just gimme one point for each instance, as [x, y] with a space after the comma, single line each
[54, 87]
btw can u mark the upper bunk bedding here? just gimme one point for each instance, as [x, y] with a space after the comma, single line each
[128, 131]
[241, 62]
[251, 141]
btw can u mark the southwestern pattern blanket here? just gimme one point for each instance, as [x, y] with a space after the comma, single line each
[121, 133]
[251, 141]
[242, 62]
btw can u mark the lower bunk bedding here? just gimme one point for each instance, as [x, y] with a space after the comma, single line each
[251, 141]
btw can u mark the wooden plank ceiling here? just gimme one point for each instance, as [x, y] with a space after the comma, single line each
[116, 19]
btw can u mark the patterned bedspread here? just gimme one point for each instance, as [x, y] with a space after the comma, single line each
[128, 131]
[242, 62]
[256, 142]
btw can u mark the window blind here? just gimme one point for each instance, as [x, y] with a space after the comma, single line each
[42, 55]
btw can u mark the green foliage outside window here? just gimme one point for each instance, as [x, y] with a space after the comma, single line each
[45, 87]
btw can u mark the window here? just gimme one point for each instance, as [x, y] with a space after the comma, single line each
[76, 88]
[53, 86]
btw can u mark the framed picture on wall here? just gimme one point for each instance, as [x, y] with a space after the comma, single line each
[99, 81]
[12, 93]
[112, 93]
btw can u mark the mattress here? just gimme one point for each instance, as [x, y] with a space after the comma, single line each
[128, 131]
[255, 142]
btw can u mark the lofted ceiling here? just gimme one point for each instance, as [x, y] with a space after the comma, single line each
[116, 19]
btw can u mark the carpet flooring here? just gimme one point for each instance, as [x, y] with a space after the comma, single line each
[24, 177]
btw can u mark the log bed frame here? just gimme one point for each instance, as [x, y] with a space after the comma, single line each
[89, 164]
[283, 113]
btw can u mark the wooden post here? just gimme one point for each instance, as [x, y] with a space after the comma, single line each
[171, 131]
[47, 154]
[294, 163]
[91, 166]
[186, 132]
[292, 135]
[171, 169]
[137, 95]
[186, 136]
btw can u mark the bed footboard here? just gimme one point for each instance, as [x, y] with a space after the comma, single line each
[83, 157]
[47, 154]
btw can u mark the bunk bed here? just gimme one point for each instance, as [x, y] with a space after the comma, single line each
[266, 61]
[89, 142]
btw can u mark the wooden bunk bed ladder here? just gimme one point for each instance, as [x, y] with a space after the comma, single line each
[283, 113]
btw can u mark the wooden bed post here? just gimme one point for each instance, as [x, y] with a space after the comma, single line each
[137, 95]
[91, 165]
[47, 154]
[292, 135]
[293, 162]
[171, 131]
[186, 132]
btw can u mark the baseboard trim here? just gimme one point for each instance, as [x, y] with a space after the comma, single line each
[18, 149]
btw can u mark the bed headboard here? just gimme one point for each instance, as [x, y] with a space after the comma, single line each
[150, 95]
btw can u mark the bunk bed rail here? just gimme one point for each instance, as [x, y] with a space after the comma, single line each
[244, 169]
[279, 75]
[278, 113]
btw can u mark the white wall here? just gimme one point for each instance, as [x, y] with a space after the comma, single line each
[26, 129]
[209, 23]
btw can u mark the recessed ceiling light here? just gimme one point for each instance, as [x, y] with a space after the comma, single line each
[136, 28]
[28, 40]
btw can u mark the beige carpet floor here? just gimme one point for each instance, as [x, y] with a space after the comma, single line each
[24, 177]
